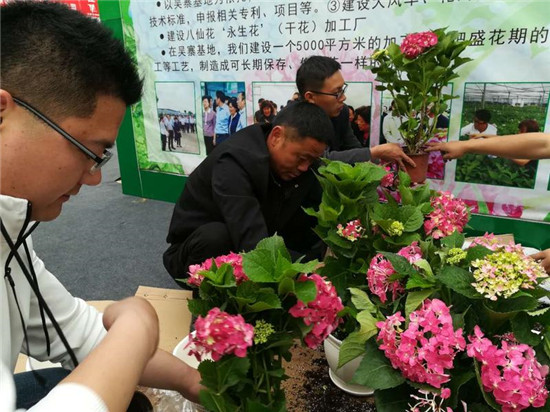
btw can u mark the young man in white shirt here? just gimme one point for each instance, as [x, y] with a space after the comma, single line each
[61, 105]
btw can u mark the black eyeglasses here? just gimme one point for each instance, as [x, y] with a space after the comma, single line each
[99, 160]
[338, 95]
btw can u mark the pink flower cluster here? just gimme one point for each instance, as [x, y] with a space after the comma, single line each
[511, 373]
[389, 179]
[490, 241]
[416, 43]
[449, 214]
[219, 334]
[233, 259]
[322, 312]
[352, 231]
[427, 347]
[380, 269]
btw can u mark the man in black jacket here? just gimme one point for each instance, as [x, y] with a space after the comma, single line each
[319, 81]
[253, 186]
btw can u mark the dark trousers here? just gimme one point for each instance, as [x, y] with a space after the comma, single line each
[209, 144]
[171, 140]
[163, 142]
[220, 138]
[31, 387]
[207, 241]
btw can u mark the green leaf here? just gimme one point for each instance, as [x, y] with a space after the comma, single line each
[416, 280]
[286, 285]
[275, 245]
[198, 307]
[512, 305]
[221, 375]
[522, 327]
[459, 280]
[400, 264]
[414, 299]
[305, 291]
[458, 378]
[411, 217]
[425, 266]
[361, 300]
[375, 370]
[394, 399]
[352, 347]
[259, 265]
[456, 240]
[266, 300]
[213, 402]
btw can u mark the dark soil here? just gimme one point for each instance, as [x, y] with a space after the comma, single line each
[309, 388]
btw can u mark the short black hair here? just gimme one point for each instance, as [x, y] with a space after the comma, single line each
[209, 98]
[221, 95]
[242, 94]
[307, 120]
[314, 71]
[483, 114]
[233, 102]
[61, 61]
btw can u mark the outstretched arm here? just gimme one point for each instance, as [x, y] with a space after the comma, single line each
[524, 145]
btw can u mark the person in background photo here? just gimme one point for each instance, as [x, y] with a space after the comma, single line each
[60, 111]
[258, 112]
[526, 126]
[267, 112]
[362, 120]
[163, 133]
[353, 125]
[480, 126]
[241, 103]
[208, 123]
[222, 116]
[234, 115]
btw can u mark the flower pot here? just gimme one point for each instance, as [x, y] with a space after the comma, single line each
[342, 376]
[418, 173]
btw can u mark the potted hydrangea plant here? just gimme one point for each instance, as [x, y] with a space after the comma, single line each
[415, 73]
[439, 323]
[251, 309]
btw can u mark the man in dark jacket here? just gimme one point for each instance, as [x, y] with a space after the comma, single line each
[253, 186]
[319, 81]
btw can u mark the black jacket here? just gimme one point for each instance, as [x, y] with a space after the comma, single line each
[234, 185]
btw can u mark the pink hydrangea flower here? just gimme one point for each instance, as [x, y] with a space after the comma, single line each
[233, 259]
[412, 252]
[219, 334]
[490, 241]
[426, 349]
[415, 44]
[512, 372]
[380, 269]
[449, 214]
[352, 231]
[322, 312]
[389, 179]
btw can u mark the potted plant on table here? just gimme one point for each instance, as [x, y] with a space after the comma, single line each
[415, 74]
[438, 324]
[251, 309]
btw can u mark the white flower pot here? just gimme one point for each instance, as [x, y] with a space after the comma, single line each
[342, 376]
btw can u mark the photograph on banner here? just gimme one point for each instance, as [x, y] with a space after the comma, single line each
[177, 117]
[225, 111]
[491, 109]
[389, 132]
[270, 97]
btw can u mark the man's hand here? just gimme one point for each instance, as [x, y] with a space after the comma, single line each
[450, 150]
[391, 152]
[544, 257]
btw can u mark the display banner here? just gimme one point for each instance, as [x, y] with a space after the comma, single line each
[87, 7]
[190, 49]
